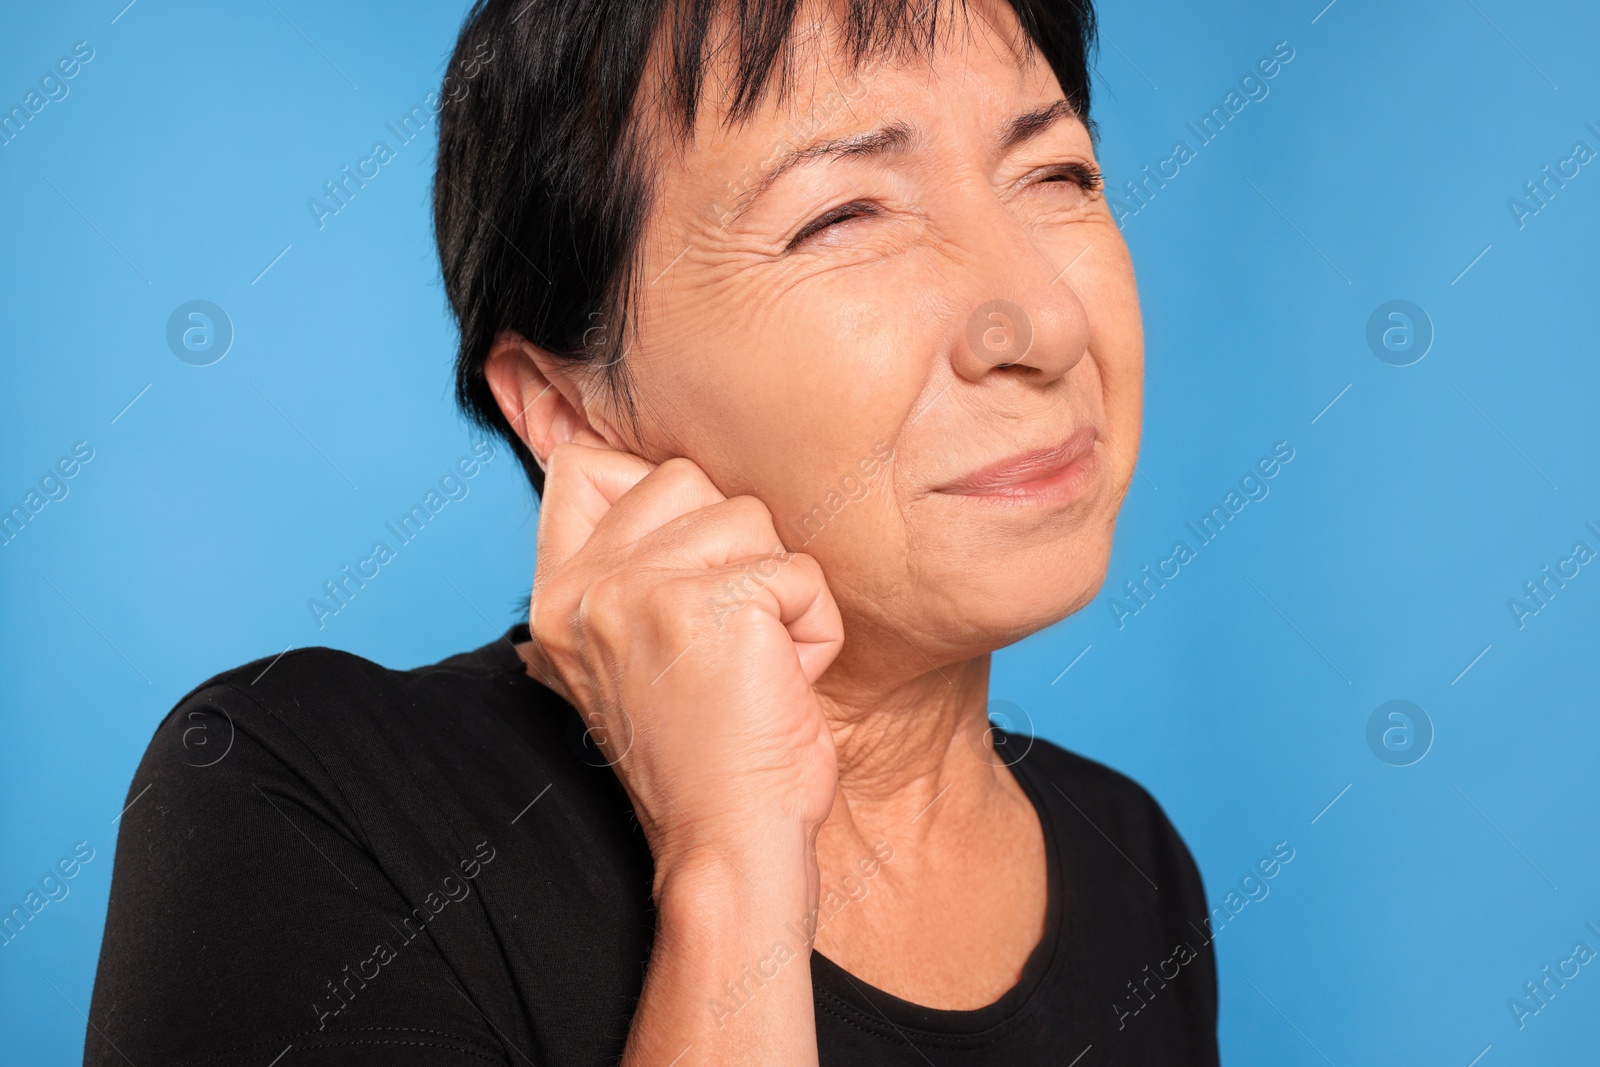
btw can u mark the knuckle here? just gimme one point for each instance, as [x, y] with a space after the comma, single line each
[751, 510]
[670, 620]
[803, 563]
[603, 601]
[544, 622]
[551, 629]
[680, 470]
[668, 597]
[764, 569]
[609, 613]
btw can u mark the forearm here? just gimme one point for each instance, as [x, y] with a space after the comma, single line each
[729, 979]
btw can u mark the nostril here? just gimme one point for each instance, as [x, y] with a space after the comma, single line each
[1000, 333]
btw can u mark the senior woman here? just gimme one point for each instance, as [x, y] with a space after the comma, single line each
[812, 327]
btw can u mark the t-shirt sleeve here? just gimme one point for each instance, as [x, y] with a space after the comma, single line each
[250, 918]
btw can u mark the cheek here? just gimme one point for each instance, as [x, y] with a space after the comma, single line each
[843, 372]
[1109, 293]
[785, 392]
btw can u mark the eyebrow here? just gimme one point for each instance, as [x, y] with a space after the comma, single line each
[897, 136]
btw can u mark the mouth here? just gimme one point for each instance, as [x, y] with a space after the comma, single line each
[1055, 474]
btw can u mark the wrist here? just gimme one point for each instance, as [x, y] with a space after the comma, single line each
[725, 928]
[729, 971]
[774, 870]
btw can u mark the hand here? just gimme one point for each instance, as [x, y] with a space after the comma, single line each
[674, 620]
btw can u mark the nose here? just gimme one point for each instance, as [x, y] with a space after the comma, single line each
[1022, 315]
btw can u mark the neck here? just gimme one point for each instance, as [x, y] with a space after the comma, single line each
[914, 758]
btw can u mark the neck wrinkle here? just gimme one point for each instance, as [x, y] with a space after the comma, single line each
[911, 758]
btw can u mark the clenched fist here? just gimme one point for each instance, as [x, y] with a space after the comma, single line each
[675, 621]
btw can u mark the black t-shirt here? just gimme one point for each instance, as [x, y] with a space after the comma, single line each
[339, 863]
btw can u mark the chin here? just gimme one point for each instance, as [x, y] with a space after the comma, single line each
[1005, 598]
[1041, 608]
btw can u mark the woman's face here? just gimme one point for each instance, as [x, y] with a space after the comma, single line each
[973, 302]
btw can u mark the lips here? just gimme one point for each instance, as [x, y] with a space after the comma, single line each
[1019, 471]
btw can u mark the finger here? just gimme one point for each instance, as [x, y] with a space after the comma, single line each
[676, 488]
[797, 593]
[582, 484]
[729, 531]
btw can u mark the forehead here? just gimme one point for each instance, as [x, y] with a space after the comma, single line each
[832, 74]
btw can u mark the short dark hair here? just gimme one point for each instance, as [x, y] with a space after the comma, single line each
[543, 183]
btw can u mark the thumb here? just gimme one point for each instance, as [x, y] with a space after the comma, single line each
[581, 484]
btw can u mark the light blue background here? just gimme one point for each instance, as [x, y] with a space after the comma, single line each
[1379, 567]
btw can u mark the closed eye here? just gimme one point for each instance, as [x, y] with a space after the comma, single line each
[1084, 175]
[844, 212]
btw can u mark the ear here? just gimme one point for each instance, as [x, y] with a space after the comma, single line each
[543, 405]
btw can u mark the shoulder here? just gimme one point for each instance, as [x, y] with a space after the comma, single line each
[1090, 800]
[351, 732]
[322, 696]
[330, 677]
[1077, 780]
[287, 812]
[1139, 920]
